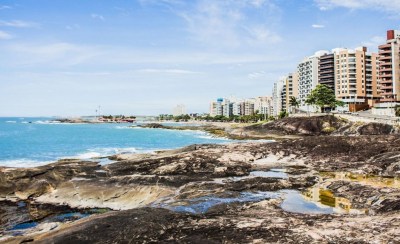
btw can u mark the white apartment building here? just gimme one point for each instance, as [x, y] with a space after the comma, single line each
[277, 96]
[263, 105]
[307, 71]
[180, 109]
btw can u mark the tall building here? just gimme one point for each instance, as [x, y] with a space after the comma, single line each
[389, 72]
[263, 105]
[277, 96]
[326, 70]
[216, 107]
[308, 78]
[227, 108]
[180, 109]
[292, 88]
[248, 107]
[356, 77]
[284, 97]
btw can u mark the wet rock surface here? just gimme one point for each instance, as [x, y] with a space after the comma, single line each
[322, 189]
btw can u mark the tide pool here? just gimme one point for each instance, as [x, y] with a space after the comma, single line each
[28, 142]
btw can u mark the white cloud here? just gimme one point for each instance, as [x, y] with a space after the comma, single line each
[227, 23]
[316, 26]
[97, 16]
[54, 54]
[5, 7]
[73, 27]
[257, 75]
[374, 42]
[391, 6]
[169, 71]
[5, 36]
[18, 24]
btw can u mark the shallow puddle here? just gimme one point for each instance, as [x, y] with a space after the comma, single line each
[325, 197]
[273, 173]
[203, 204]
[295, 202]
[21, 228]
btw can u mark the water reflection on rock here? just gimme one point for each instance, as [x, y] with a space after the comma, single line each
[365, 179]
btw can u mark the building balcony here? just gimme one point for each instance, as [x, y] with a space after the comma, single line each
[385, 58]
[386, 64]
[386, 93]
[386, 70]
[385, 75]
[385, 46]
[326, 72]
[391, 99]
[386, 81]
[385, 51]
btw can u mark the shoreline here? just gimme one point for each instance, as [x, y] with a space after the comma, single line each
[312, 187]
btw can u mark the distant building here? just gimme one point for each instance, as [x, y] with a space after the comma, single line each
[292, 89]
[221, 107]
[263, 105]
[249, 106]
[180, 109]
[277, 96]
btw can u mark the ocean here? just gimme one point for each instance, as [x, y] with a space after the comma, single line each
[29, 142]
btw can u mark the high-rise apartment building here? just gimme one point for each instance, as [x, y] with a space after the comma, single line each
[326, 70]
[216, 107]
[180, 109]
[277, 96]
[389, 72]
[308, 78]
[292, 88]
[356, 78]
[263, 105]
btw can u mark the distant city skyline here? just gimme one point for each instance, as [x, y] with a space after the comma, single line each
[146, 56]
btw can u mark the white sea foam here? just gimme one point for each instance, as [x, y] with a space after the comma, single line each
[11, 121]
[87, 155]
[118, 127]
[23, 163]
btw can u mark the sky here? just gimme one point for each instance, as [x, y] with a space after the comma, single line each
[143, 57]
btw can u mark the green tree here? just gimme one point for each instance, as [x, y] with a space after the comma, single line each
[322, 96]
[283, 114]
[293, 102]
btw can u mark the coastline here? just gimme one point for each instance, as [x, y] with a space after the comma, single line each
[248, 190]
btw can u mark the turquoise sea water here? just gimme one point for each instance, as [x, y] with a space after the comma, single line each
[27, 142]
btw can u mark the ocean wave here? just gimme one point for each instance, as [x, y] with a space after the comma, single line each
[104, 152]
[11, 121]
[119, 127]
[23, 163]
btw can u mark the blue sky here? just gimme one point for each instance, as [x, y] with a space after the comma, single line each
[146, 56]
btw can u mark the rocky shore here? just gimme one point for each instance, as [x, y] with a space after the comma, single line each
[338, 184]
[289, 128]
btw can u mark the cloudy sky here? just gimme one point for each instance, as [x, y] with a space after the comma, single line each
[146, 56]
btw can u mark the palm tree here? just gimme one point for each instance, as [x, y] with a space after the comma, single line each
[293, 102]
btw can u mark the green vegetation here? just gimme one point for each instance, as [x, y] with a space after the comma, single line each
[219, 118]
[283, 114]
[323, 97]
[397, 110]
[117, 117]
[294, 103]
